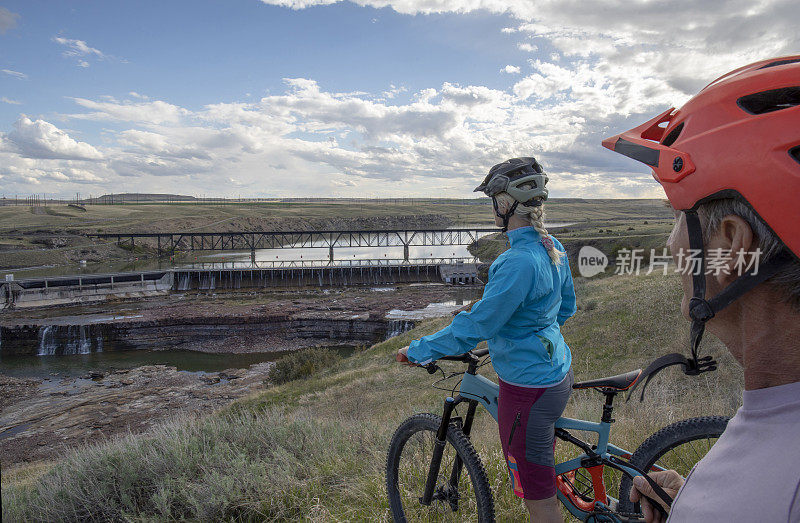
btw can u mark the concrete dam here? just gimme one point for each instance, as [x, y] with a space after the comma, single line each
[60, 290]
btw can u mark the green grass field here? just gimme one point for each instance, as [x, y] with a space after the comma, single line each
[315, 449]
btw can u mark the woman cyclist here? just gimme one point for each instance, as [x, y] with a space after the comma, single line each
[529, 295]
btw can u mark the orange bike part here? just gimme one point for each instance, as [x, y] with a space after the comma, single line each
[565, 482]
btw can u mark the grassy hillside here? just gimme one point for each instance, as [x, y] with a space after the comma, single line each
[315, 449]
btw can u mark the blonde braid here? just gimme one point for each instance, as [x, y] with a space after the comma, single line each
[536, 216]
[537, 222]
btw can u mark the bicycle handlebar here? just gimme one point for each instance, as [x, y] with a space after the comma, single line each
[480, 352]
[467, 357]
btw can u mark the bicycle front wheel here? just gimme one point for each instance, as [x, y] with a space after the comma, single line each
[461, 492]
[678, 446]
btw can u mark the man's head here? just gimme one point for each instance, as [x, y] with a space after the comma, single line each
[729, 162]
[735, 239]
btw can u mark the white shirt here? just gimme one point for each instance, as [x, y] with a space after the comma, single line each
[752, 473]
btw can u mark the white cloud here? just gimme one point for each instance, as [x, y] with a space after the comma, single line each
[15, 74]
[393, 91]
[83, 176]
[525, 46]
[156, 112]
[8, 20]
[9, 101]
[511, 69]
[344, 143]
[41, 139]
[60, 175]
[680, 42]
[78, 48]
[80, 51]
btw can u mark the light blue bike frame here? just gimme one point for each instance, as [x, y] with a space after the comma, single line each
[486, 392]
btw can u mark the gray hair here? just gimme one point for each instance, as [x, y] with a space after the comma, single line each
[788, 279]
[536, 216]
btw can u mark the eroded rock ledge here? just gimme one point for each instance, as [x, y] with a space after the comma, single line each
[39, 420]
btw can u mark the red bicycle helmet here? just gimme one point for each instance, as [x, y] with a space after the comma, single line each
[738, 137]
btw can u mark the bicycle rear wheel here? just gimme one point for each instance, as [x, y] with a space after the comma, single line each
[469, 498]
[678, 446]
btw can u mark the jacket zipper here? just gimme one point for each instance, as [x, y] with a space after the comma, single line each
[514, 427]
[549, 348]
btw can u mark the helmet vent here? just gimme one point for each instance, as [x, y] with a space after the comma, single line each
[781, 62]
[795, 153]
[770, 101]
[673, 135]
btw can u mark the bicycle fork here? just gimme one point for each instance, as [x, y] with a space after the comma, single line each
[438, 450]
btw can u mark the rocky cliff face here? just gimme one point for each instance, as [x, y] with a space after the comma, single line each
[217, 334]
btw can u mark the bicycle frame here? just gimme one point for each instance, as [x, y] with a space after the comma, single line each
[478, 389]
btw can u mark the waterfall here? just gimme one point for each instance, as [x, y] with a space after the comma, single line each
[183, 282]
[78, 342]
[398, 327]
[208, 281]
[47, 346]
[69, 339]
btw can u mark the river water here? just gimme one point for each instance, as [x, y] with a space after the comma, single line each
[79, 365]
[319, 252]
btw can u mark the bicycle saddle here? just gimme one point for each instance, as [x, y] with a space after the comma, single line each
[619, 382]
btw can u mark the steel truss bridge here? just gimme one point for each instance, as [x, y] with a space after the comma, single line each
[346, 263]
[169, 243]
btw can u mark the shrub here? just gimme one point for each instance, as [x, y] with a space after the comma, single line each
[302, 364]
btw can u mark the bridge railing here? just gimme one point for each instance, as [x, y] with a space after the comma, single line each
[354, 263]
[249, 241]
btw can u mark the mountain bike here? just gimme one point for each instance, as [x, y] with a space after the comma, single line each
[433, 472]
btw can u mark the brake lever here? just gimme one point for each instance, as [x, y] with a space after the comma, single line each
[659, 491]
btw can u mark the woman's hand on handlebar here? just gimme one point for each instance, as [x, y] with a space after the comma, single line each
[402, 357]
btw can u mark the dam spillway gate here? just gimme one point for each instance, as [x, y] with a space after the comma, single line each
[58, 290]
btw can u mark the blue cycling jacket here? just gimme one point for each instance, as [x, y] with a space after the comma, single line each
[524, 303]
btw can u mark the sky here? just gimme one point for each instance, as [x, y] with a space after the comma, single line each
[369, 98]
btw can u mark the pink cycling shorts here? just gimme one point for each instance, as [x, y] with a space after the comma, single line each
[526, 418]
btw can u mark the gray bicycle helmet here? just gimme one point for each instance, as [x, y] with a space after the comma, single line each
[510, 177]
